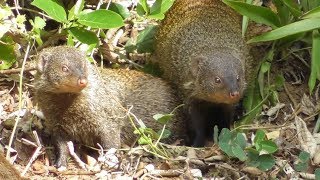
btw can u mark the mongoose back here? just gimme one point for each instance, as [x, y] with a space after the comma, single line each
[200, 49]
[81, 105]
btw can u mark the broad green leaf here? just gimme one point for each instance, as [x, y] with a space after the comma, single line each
[166, 134]
[283, 12]
[241, 140]
[145, 39]
[159, 8]
[39, 23]
[304, 156]
[314, 13]
[118, 8]
[253, 156]
[315, 60]
[7, 53]
[266, 162]
[5, 12]
[293, 7]
[163, 118]
[268, 146]
[156, 16]
[7, 56]
[53, 8]
[83, 35]
[104, 19]
[225, 135]
[76, 9]
[238, 152]
[140, 10]
[317, 173]
[259, 137]
[70, 41]
[293, 28]
[301, 167]
[255, 13]
[309, 4]
[226, 148]
[144, 6]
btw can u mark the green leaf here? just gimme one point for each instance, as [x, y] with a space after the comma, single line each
[70, 41]
[163, 118]
[156, 16]
[143, 140]
[83, 35]
[39, 23]
[241, 140]
[293, 7]
[76, 9]
[266, 162]
[304, 156]
[301, 166]
[7, 54]
[101, 18]
[253, 156]
[145, 40]
[159, 8]
[317, 173]
[315, 60]
[245, 21]
[279, 81]
[144, 5]
[118, 8]
[225, 135]
[226, 148]
[255, 13]
[238, 152]
[268, 146]
[53, 8]
[314, 13]
[260, 136]
[140, 10]
[293, 28]
[166, 134]
[265, 67]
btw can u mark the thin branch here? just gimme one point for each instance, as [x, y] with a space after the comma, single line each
[15, 71]
[20, 99]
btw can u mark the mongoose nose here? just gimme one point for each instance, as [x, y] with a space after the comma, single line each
[234, 94]
[82, 82]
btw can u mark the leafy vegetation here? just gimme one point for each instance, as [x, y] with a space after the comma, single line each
[258, 154]
[290, 23]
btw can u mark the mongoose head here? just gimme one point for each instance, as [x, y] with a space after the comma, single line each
[62, 69]
[218, 77]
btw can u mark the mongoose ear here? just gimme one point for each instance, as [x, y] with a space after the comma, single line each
[196, 63]
[42, 60]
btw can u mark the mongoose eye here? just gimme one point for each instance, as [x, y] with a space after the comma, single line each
[217, 80]
[238, 78]
[65, 69]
